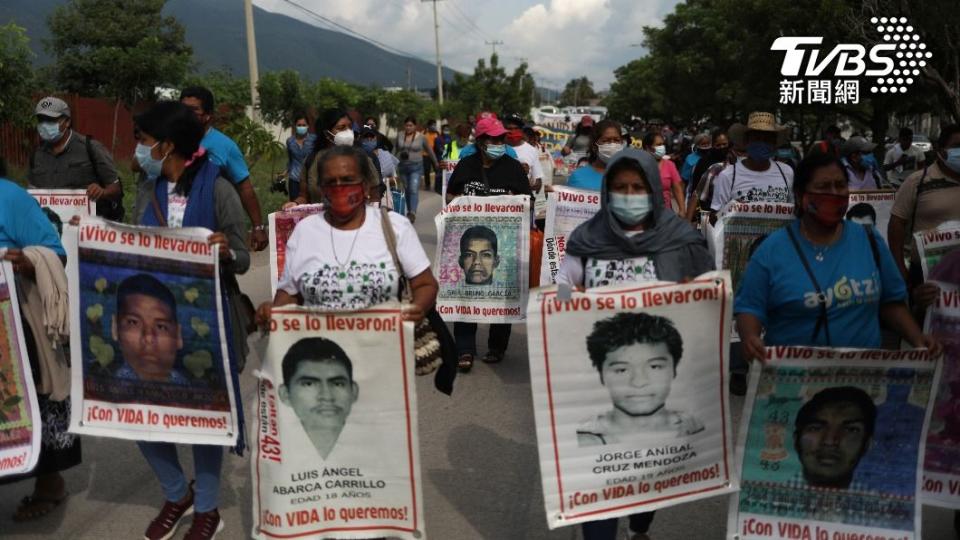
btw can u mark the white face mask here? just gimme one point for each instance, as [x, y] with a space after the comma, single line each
[343, 138]
[608, 150]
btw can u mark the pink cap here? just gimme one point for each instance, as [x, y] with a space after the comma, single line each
[489, 126]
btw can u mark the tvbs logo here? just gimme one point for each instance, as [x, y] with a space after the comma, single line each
[814, 75]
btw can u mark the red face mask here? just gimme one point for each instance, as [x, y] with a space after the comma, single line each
[343, 200]
[826, 208]
[514, 136]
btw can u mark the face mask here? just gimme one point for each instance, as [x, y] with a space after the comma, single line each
[495, 151]
[783, 153]
[369, 146]
[869, 161]
[953, 159]
[150, 166]
[660, 151]
[630, 209]
[343, 201]
[863, 221]
[608, 150]
[302, 130]
[343, 138]
[704, 151]
[49, 131]
[826, 208]
[759, 151]
[514, 137]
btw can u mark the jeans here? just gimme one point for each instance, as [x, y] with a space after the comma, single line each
[293, 188]
[606, 529]
[410, 173]
[466, 337]
[207, 461]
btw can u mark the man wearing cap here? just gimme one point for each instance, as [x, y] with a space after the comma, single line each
[860, 175]
[528, 156]
[702, 144]
[487, 172]
[758, 177]
[69, 160]
[579, 142]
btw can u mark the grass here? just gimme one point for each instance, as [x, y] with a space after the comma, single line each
[261, 176]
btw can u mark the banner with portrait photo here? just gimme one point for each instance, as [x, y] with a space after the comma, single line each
[739, 230]
[830, 444]
[20, 425]
[482, 262]
[149, 352]
[872, 208]
[630, 397]
[941, 464]
[938, 245]
[337, 452]
[567, 208]
[65, 203]
[281, 225]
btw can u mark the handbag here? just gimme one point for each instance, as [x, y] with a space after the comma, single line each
[433, 345]
[399, 198]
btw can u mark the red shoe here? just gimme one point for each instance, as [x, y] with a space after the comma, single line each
[165, 524]
[205, 526]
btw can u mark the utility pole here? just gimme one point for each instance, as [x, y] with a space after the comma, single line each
[436, 40]
[252, 58]
[494, 44]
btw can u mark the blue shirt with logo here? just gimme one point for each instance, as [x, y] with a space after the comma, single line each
[225, 154]
[585, 177]
[778, 291]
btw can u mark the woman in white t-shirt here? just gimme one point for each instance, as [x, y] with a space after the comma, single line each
[339, 260]
[632, 239]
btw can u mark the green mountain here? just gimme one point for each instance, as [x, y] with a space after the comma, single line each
[215, 29]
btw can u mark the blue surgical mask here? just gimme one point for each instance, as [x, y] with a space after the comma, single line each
[496, 151]
[630, 209]
[953, 159]
[659, 151]
[869, 161]
[49, 131]
[151, 167]
[302, 130]
[784, 153]
[759, 151]
[369, 146]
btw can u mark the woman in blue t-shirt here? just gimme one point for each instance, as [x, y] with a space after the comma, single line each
[605, 141]
[823, 281]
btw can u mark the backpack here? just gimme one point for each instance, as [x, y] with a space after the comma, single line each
[112, 210]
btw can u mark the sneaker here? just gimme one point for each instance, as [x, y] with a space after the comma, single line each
[738, 384]
[165, 524]
[205, 526]
[494, 357]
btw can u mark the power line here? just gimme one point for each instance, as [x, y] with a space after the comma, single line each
[467, 18]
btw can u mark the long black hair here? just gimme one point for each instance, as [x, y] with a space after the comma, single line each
[324, 125]
[174, 122]
[597, 132]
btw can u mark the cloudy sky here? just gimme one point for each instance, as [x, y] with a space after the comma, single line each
[560, 39]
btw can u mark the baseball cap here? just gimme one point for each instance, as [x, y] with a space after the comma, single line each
[367, 131]
[490, 127]
[513, 119]
[53, 107]
[586, 120]
[857, 144]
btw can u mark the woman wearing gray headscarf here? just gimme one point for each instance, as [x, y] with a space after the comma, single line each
[633, 238]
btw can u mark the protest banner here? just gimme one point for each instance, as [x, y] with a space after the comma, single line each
[349, 469]
[941, 464]
[872, 208]
[630, 397]
[937, 244]
[566, 209]
[740, 228]
[65, 203]
[20, 425]
[446, 167]
[482, 262]
[830, 444]
[148, 345]
[281, 225]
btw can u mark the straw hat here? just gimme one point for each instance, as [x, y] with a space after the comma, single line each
[764, 121]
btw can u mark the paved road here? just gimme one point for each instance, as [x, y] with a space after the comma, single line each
[479, 461]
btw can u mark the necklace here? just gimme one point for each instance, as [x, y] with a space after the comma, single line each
[821, 250]
[333, 246]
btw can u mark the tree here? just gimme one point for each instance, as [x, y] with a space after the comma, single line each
[121, 49]
[16, 76]
[491, 89]
[282, 94]
[578, 92]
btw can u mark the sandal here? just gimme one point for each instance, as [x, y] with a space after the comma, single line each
[494, 357]
[36, 507]
[465, 363]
